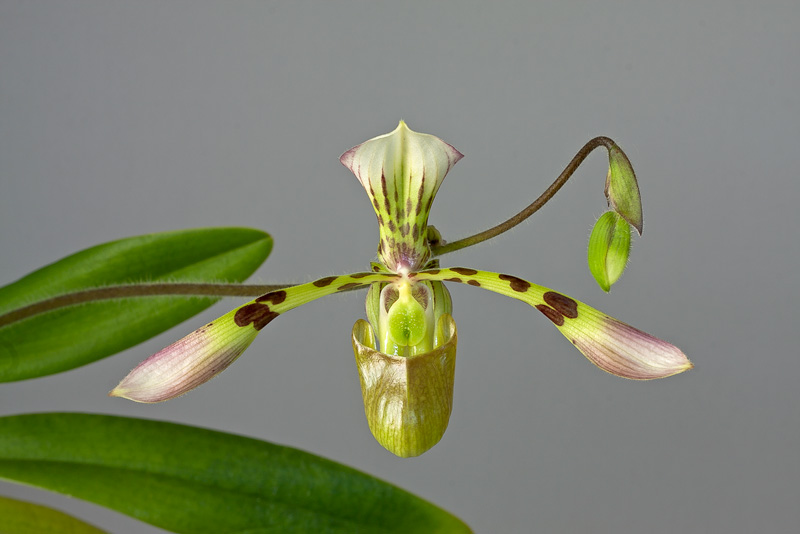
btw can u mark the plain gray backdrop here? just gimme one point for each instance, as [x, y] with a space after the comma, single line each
[119, 119]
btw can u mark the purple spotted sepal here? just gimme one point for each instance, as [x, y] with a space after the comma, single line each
[401, 172]
[187, 363]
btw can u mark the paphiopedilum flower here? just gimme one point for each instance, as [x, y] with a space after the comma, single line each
[405, 352]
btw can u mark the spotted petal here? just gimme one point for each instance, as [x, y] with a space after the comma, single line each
[401, 172]
[610, 344]
[209, 350]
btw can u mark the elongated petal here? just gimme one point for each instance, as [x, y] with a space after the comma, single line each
[401, 172]
[209, 350]
[610, 344]
[187, 363]
[407, 400]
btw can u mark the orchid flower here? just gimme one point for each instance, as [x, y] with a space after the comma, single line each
[405, 352]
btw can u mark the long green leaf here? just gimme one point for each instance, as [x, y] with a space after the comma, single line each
[66, 338]
[19, 517]
[192, 480]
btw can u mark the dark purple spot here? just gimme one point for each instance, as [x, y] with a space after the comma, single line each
[415, 231]
[517, 284]
[380, 217]
[265, 320]
[258, 314]
[563, 304]
[405, 229]
[474, 283]
[428, 205]
[385, 193]
[408, 205]
[464, 271]
[372, 196]
[454, 279]
[391, 225]
[551, 314]
[246, 314]
[276, 297]
[432, 271]
[328, 280]
[419, 195]
[360, 275]
[351, 285]
[375, 268]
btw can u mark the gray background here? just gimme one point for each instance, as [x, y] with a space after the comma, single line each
[120, 119]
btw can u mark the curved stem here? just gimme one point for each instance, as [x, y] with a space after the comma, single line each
[568, 171]
[139, 290]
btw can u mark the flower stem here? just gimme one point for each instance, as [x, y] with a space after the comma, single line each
[138, 290]
[565, 175]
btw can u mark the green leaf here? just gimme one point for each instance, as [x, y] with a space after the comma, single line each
[69, 337]
[192, 480]
[19, 517]
[609, 249]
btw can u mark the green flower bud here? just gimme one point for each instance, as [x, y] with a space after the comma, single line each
[609, 248]
[622, 189]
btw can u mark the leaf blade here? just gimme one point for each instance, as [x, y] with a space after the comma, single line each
[188, 479]
[22, 517]
[70, 337]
